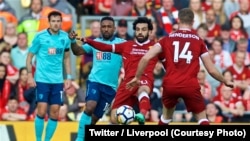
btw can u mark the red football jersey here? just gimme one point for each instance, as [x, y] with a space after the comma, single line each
[132, 52]
[182, 50]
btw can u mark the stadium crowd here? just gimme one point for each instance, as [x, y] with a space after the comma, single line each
[223, 25]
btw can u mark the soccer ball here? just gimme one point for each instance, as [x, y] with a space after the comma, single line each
[125, 114]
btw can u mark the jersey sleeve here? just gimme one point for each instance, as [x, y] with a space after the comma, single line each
[68, 43]
[116, 48]
[204, 48]
[35, 45]
[87, 48]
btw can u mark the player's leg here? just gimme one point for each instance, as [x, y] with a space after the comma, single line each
[144, 90]
[167, 115]
[103, 105]
[42, 91]
[55, 101]
[122, 97]
[144, 103]
[195, 103]
[92, 97]
[169, 100]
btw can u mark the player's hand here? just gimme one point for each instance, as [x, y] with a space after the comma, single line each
[72, 35]
[229, 84]
[134, 82]
[31, 82]
[83, 39]
[67, 84]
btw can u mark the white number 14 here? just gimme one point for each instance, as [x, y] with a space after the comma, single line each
[184, 54]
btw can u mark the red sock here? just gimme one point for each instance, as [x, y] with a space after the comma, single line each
[144, 105]
[204, 123]
[162, 123]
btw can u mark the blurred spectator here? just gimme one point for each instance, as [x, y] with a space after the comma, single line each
[5, 87]
[228, 44]
[103, 7]
[20, 87]
[121, 7]
[156, 105]
[5, 46]
[167, 16]
[12, 112]
[206, 4]
[244, 13]
[153, 34]
[10, 35]
[140, 8]
[29, 22]
[237, 28]
[202, 31]
[19, 53]
[213, 27]
[7, 14]
[30, 97]
[199, 14]
[206, 89]
[88, 6]
[4, 6]
[241, 46]
[61, 5]
[246, 101]
[37, 19]
[222, 58]
[12, 72]
[122, 30]
[74, 102]
[228, 75]
[221, 17]
[230, 6]
[154, 4]
[231, 107]
[213, 114]
[183, 4]
[240, 71]
[87, 59]
[155, 97]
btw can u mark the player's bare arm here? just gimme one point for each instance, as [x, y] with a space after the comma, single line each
[31, 81]
[154, 51]
[206, 59]
[67, 68]
[76, 49]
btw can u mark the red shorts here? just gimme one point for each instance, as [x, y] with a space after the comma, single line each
[191, 96]
[129, 97]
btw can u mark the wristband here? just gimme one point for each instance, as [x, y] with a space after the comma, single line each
[69, 77]
[73, 41]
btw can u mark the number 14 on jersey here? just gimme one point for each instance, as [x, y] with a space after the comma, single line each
[184, 54]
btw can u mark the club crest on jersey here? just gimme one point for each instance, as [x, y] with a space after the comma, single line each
[62, 41]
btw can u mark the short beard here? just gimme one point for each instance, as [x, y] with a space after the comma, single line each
[142, 40]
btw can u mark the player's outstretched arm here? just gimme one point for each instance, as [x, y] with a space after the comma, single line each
[100, 46]
[206, 59]
[76, 49]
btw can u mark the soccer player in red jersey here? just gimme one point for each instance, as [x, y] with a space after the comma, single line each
[132, 51]
[182, 50]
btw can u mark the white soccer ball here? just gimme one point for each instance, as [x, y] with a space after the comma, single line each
[125, 114]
